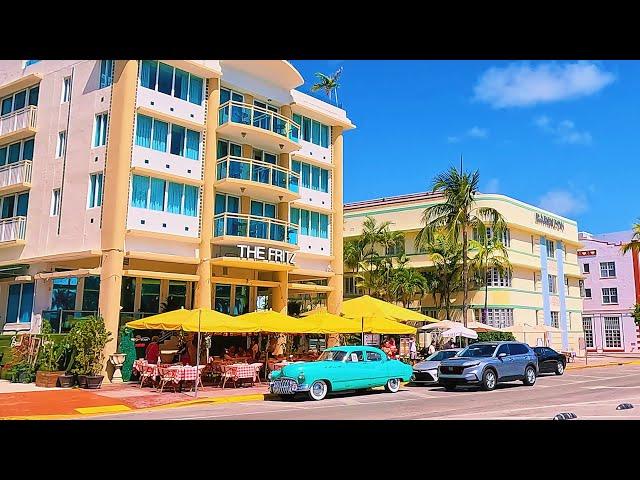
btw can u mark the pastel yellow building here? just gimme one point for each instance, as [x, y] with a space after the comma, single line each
[543, 288]
[127, 186]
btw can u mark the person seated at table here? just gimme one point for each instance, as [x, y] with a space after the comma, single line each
[255, 349]
[183, 355]
[227, 354]
[152, 353]
[241, 352]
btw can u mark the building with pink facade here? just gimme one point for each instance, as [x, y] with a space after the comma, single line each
[610, 291]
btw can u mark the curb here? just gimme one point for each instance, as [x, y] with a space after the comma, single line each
[108, 409]
[610, 364]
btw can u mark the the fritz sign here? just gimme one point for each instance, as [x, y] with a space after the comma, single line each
[267, 253]
[549, 222]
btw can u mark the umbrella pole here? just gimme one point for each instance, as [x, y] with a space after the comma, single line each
[362, 334]
[266, 361]
[198, 355]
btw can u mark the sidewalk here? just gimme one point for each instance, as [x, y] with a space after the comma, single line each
[604, 359]
[28, 401]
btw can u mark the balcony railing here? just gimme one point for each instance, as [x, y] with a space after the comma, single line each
[247, 114]
[18, 120]
[63, 320]
[13, 228]
[15, 173]
[257, 171]
[252, 226]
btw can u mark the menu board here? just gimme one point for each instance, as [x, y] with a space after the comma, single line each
[404, 346]
[372, 339]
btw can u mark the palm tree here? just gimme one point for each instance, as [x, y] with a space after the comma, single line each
[445, 277]
[354, 253]
[490, 253]
[458, 215]
[634, 243]
[328, 83]
[406, 284]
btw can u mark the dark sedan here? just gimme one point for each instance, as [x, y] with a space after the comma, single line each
[550, 361]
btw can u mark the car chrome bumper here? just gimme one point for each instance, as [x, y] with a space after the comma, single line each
[425, 376]
[287, 387]
[463, 378]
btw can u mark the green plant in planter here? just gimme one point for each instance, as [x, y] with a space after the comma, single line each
[50, 353]
[88, 337]
[22, 372]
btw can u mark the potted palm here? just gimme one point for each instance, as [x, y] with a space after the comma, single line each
[88, 337]
[49, 357]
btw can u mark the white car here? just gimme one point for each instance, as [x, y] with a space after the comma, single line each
[426, 371]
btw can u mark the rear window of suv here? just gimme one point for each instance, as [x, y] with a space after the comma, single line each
[518, 349]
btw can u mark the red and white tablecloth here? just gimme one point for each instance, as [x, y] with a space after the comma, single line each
[186, 373]
[241, 370]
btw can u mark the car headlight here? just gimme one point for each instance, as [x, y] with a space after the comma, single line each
[269, 376]
[474, 364]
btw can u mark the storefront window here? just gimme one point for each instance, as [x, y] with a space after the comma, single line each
[128, 294]
[91, 294]
[150, 296]
[20, 302]
[177, 297]
[223, 298]
[242, 301]
[63, 294]
[263, 298]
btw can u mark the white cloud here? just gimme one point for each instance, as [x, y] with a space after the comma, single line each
[477, 132]
[492, 186]
[564, 131]
[564, 202]
[473, 132]
[522, 85]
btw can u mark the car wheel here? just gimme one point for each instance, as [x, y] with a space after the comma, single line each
[318, 390]
[489, 380]
[559, 368]
[392, 385]
[529, 376]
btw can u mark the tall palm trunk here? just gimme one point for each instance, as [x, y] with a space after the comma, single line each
[465, 277]
[486, 295]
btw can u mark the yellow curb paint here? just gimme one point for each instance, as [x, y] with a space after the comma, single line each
[612, 364]
[103, 409]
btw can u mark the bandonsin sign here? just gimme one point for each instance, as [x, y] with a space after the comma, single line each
[550, 222]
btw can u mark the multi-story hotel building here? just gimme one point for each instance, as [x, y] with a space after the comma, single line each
[126, 185]
[610, 291]
[543, 288]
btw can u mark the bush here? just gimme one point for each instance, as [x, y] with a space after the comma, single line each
[52, 351]
[88, 337]
[494, 337]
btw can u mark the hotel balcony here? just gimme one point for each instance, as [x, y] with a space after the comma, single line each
[261, 128]
[15, 177]
[266, 181]
[234, 228]
[18, 125]
[12, 231]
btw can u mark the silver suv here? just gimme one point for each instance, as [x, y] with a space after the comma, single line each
[488, 363]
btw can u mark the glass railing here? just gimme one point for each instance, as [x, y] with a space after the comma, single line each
[257, 171]
[252, 226]
[247, 114]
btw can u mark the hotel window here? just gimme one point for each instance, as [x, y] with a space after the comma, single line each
[585, 268]
[106, 73]
[14, 205]
[430, 312]
[55, 202]
[581, 285]
[66, 90]
[566, 284]
[95, 190]
[222, 301]
[505, 237]
[587, 293]
[555, 319]
[551, 249]
[164, 196]
[609, 296]
[350, 285]
[262, 209]
[537, 283]
[177, 297]
[312, 177]
[497, 279]
[395, 249]
[30, 62]
[229, 95]
[171, 81]
[612, 334]
[226, 148]
[91, 293]
[20, 303]
[60, 146]
[495, 317]
[63, 293]
[553, 284]
[16, 152]
[587, 326]
[227, 204]
[312, 130]
[100, 126]
[313, 224]
[150, 295]
[156, 134]
[19, 100]
[607, 269]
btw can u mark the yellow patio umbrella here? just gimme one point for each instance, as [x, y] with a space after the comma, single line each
[313, 311]
[270, 321]
[325, 322]
[378, 316]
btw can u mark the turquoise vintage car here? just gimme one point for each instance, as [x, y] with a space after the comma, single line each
[338, 369]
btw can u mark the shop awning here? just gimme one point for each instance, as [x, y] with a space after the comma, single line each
[81, 272]
[161, 275]
[13, 271]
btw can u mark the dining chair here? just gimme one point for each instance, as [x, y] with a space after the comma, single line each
[256, 375]
[148, 373]
[169, 375]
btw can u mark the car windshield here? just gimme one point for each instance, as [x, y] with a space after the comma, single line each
[478, 351]
[441, 355]
[332, 355]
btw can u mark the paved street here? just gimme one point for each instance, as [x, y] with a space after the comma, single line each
[590, 393]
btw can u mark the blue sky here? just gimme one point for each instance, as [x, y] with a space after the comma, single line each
[560, 134]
